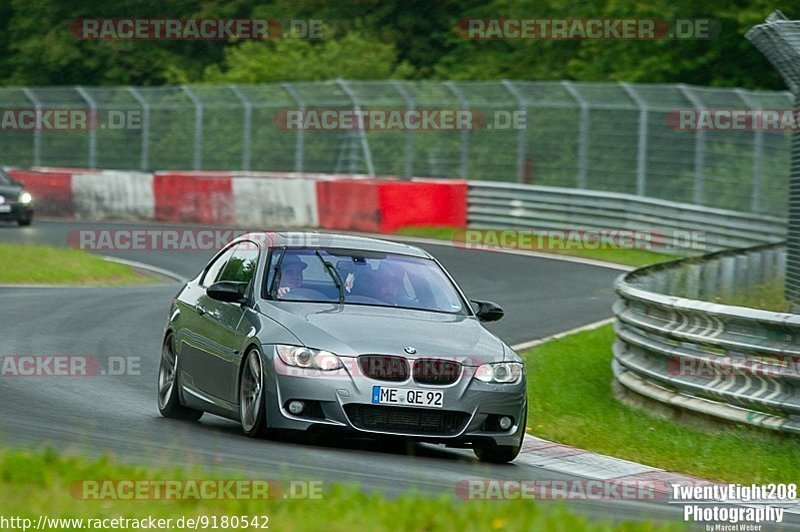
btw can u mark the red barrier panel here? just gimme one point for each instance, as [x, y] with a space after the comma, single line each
[430, 203]
[196, 197]
[51, 191]
[349, 204]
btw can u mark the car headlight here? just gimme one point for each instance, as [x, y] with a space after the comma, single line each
[500, 373]
[25, 197]
[303, 357]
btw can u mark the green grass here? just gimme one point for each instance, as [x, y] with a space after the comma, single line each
[38, 483]
[27, 264]
[629, 257]
[571, 401]
[765, 296]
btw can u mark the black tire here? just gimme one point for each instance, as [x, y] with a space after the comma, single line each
[24, 222]
[252, 396]
[169, 401]
[501, 454]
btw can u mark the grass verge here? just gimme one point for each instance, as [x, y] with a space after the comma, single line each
[629, 257]
[765, 296]
[44, 483]
[571, 401]
[28, 264]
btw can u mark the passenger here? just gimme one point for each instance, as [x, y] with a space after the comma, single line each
[291, 274]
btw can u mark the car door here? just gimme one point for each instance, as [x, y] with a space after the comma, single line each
[192, 327]
[222, 329]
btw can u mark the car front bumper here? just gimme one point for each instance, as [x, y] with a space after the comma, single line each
[343, 399]
[16, 211]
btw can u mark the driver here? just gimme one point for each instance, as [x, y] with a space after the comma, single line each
[291, 274]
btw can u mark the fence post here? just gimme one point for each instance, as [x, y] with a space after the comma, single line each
[37, 132]
[464, 132]
[145, 127]
[699, 146]
[410, 105]
[246, 126]
[198, 127]
[523, 133]
[758, 149]
[299, 142]
[362, 134]
[583, 132]
[92, 162]
[641, 156]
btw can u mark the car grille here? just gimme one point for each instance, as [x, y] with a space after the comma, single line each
[384, 367]
[436, 372]
[406, 420]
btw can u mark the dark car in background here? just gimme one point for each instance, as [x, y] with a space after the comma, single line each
[15, 203]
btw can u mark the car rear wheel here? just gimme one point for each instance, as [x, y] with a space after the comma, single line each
[169, 403]
[252, 408]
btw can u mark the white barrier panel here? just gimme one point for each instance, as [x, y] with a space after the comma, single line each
[275, 202]
[114, 194]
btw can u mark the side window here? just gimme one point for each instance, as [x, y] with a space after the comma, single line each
[242, 264]
[213, 271]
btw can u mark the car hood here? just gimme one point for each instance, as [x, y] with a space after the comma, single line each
[351, 330]
[10, 191]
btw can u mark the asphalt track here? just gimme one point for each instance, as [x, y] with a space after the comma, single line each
[117, 414]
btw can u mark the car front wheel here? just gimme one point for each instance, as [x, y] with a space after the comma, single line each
[252, 407]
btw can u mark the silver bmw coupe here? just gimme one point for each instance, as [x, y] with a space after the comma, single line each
[304, 331]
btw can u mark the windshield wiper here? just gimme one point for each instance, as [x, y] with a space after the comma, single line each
[337, 279]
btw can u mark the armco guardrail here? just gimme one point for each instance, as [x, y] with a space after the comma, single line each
[509, 205]
[729, 362]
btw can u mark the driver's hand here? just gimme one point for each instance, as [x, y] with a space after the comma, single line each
[283, 290]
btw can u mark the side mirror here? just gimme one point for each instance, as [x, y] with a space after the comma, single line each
[227, 291]
[488, 311]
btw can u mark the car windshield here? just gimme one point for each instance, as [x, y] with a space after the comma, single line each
[360, 278]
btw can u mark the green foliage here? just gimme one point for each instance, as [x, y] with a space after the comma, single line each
[377, 39]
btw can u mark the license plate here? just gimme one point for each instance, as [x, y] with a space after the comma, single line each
[5, 208]
[382, 395]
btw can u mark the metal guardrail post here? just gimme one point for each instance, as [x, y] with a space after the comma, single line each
[699, 147]
[758, 150]
[641, 155]
[464, 132]
[145, 150]
[198, 127]
[728, 275]
[583, 132]
[410, 106]
[523, 133]
[37, 132]
[246, 126]
[92, 156]
[362, 134]
[299, 142]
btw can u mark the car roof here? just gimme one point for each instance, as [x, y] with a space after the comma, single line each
[315, 239]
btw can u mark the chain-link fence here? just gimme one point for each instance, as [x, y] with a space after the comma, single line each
[779, 40]
[604, 136]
